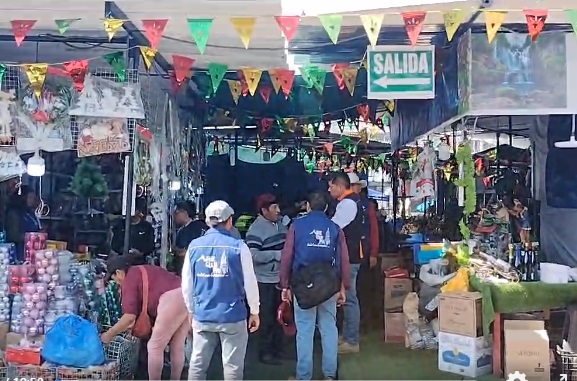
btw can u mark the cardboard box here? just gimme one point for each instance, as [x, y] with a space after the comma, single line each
[396, 290]
[13, 338]
[4, 329]
[527, 349]
[395, 327]
[464, 355]
[461, 313]
[390, 260]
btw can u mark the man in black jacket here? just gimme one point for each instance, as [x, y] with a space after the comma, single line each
[141, 236]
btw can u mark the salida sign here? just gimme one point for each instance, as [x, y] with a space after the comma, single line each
[401, 72]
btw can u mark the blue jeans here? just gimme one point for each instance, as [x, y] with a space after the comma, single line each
[325, 317]
[351, 310]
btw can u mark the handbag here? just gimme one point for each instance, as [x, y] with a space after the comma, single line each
[315, 284]
[142, 327]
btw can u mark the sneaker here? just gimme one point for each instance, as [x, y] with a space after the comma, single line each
[348, 348]
[329, 378]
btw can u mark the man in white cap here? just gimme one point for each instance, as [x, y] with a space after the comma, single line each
[218, 282]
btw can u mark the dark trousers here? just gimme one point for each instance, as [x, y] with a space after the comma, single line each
[270, 331]
[370, 294]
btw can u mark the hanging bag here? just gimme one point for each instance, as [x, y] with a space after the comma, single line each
[142, 327]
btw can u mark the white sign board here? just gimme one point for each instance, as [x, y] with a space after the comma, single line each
[10, 163]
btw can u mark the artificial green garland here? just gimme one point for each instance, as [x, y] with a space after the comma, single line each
[464, 157]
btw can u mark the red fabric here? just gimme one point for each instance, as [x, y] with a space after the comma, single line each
[287, 255]
[374, 231]
[160, 282]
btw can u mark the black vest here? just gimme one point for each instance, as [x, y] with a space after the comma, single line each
[355, 233]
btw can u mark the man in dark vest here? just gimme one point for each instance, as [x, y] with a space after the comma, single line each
[349, 217]
[313, 239]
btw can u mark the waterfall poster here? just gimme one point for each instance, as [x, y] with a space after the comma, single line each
[516, 75]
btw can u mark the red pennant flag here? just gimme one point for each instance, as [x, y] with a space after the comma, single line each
[144, 132]
[244, 84]
[339, 75]
[364, 112]
[535, 22]
[264, 92]
[288, 25]
[20, 28]
[414, 24]
[266, 124]
[77, 71]
[287, 78]
[182, 66]
[154, 30]
[329, 147]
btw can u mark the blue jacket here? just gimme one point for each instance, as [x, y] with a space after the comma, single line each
[218, 289]
[316, 239]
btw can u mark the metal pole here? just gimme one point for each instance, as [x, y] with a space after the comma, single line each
[164, 162]
[133, 62]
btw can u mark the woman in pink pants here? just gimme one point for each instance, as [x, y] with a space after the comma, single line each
[165, 307]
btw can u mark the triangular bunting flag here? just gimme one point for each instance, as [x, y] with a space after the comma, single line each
[252, 77]
[216, 71]
[390, 106]
[244, 26]
[264, 92]
[453, 19]
[288, 25]
[571, 15]
[235, 90]
[350, 78]
[116, 60]
[283, 79]
[147, 56]
[535, 22]
[2, 71]
[314, 77]
[200, 30]
[364, 112]
[372, 25]
[64, 24]
[339, 74]
[20, 28]
[182, 66]
[329, 147]
[493, 21]
[275, 79]
[154, 30]
[111, 26]
[414, 24]
[332, 25]
[36, 74]
[77, 71]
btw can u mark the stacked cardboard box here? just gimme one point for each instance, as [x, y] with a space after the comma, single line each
[462, 348]
[396, 290]
[527, 349]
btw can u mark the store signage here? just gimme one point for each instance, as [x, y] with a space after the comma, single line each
[11, 164]
[401, 72]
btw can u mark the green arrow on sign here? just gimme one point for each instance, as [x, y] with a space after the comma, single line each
[386, 81]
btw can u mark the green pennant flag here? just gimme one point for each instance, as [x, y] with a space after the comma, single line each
[332, 24]
[116, 60]
[216, 72]
[64, 24]
[200, 30]
[2, 71]
[571, 15]
[315, 77]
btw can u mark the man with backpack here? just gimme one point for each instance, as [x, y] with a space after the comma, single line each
[315, 270]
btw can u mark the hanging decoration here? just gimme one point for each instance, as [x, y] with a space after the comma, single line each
[111, 26]
[535, 22]
[116, 60]
[154, 30]
[235, 90]
[216, 72]
[148, 55]
[36, 74]
[6, 118]
[329, 147]
[350, 78]
[414, 24]
[372, 24]
[2, 71]
[288, 25]
[252, 77]
[265, 92]
[200, 31]
[493, 21]
[332, 25]
[99, 136]
[10, 163]
[314, 76]
[182, 67]
[453, 19]
[244, 26]
[282, 79]
[20, 29]
[338, 72]
[571, 15]
[466, 182]
[77, 71]
[64, 24]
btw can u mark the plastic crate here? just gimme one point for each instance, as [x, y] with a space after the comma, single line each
[124, 349]
[566, 363]
[30, 372]
[109, 372]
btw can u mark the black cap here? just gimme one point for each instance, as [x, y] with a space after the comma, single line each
[115, 263]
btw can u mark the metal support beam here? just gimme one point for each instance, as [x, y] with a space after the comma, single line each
[111, 9]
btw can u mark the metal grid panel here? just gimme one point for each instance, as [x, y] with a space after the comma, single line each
[108, 73]
[11, 79]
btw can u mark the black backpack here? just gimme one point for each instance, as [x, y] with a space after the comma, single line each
[315, 284]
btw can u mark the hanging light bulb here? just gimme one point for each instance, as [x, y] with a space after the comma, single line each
[36, 166]
[175, 185]
[443, 151]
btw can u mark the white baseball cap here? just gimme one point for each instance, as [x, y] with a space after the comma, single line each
[217, 212]
[354, 179]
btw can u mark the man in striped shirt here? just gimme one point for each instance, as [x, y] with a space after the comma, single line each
[265, 238]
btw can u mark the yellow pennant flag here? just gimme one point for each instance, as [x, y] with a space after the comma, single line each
[252, 78]
[372, 25]
[36, 74]
[453, 19]
[275, 79]
[235, 90]
[111, 26]
[244, 26]
[147, 56]
[350, 78]
[493, 21]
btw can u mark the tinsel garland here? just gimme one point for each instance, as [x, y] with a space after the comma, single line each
[110, 307]
[464, 157]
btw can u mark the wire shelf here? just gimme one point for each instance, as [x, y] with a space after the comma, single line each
[124, 349]
[11, 80]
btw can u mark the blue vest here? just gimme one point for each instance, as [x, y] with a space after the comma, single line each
[218, 282]
[316, 240]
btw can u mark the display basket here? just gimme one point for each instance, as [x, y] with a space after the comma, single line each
[124, 349]
[110, 372]
[566, 363]
[31, 372]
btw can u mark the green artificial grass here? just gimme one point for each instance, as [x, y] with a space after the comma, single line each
[522, 297]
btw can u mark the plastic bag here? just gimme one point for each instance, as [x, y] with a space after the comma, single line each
[460, 283]
[74, 342]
